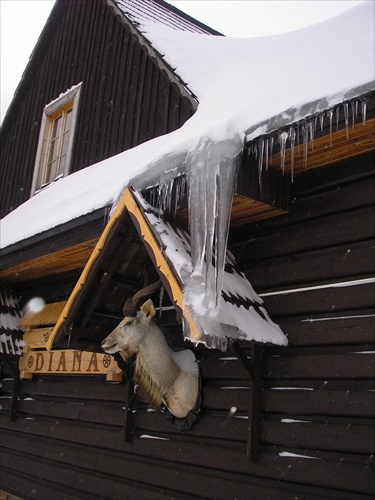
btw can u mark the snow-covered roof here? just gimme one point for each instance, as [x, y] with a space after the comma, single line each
[242, 84]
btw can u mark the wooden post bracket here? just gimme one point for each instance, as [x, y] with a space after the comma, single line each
[252, 366]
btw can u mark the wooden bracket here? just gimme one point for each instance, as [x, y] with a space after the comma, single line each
[253, 366]
[128, 369]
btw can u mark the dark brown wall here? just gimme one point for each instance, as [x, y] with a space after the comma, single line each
[125, 100]
[316, 432]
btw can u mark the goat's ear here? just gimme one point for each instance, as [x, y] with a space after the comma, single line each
[148, 309]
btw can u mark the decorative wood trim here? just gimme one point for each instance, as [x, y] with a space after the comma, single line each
[47, 316]
[69, 362]
[163, 267]
[36, 339]
[82, 279]
[128, 202]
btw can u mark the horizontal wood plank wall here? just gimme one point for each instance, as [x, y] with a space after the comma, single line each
[125, 99]
[316, 432]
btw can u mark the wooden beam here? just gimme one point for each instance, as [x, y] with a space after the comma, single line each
[326, 150]
[66, 259]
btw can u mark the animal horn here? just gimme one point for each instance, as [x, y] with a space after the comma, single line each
[130, 306]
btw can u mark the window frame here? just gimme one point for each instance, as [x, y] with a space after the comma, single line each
[66, 101]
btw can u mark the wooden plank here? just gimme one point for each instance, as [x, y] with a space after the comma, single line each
[51, 263]
[90, 483]
[47, 316]
[323, 364]
[294, 401]
[183, 480]
[307, 235]
[307, 434]
[361, 140]
[74, 388]
[317, 266]
[320, 300]
[350, 477]
[330, 330]
[25, 485]
[326, 365]
[36, 339]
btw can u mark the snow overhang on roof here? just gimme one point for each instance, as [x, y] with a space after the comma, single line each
[244, 85]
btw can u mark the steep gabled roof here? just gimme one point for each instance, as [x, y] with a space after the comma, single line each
[145, 11]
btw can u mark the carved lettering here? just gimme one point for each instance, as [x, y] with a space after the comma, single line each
[94, 363]
[77, 357]
[69, 361]
[62, 363]
[39, 362]
[50, 360]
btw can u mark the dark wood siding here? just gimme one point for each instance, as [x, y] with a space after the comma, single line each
[316, 429]
[126, 98]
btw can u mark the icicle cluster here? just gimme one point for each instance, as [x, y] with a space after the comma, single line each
[169, 194]
[212, 170]
[301, 135]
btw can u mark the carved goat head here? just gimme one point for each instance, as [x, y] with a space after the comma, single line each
[131, 331]
[163, 376]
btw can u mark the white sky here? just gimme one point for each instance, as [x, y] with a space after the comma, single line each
[21, 22]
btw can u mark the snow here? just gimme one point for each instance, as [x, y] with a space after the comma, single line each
[227, 318]
[244, 86]
[148, 436]
[295, 421]
[341, 284]
[296, 455]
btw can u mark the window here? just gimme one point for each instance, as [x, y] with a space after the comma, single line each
[56, 139]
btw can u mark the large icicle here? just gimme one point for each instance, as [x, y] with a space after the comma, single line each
[211, 170]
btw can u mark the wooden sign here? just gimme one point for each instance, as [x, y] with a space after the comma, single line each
[69, 362]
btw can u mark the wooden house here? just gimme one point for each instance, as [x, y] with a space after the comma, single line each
[98, 156]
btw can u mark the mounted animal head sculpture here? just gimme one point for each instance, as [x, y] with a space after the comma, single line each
[162, 375]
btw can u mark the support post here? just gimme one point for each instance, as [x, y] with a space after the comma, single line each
[253, 366]
[128, 369]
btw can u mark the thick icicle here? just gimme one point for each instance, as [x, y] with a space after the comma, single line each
[305, 137]
[337, 109]
[363, 110]
[311, 128]
[211, 171]
[346, 116]
[330, 115]
[292, 138]
[283, 137]
[321, 117]
[260, 160]
[266, 146]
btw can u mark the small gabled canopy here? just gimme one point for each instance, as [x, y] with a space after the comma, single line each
[241, 314]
